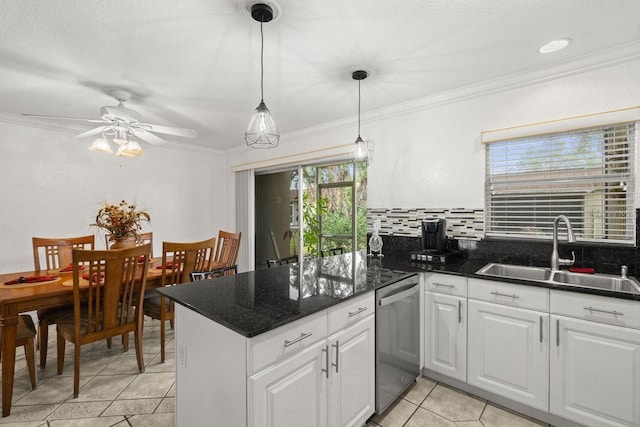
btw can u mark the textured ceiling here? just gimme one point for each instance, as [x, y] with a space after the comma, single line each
[195, 63]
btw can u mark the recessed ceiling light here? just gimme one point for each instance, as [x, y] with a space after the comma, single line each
[554, 45]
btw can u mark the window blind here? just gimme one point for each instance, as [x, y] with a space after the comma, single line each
[587, 175]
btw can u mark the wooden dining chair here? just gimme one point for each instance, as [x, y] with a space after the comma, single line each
[109, 303]
[52, 254]
[143, 239]
[25, 335]
[218, 272]
[227, 250]
[179, 260]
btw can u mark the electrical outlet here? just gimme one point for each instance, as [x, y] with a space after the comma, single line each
[182, 354]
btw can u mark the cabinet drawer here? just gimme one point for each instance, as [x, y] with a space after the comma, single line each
[281, 342]
[348, 312]
[596, 308]
[447, 284]
[522, 296]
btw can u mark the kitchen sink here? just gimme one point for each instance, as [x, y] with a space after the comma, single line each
[600, 281]
[567, 278]
[538, 274]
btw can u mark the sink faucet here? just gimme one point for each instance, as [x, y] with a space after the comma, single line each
[556, 261]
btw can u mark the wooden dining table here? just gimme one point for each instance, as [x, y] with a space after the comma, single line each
[20, 298]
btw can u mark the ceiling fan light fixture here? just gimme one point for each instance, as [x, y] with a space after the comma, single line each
[262, 131]
[124, 151]
[133, 148]
[360, 152]
[101, 145]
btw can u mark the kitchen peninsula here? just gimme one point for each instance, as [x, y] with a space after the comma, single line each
[292, 345]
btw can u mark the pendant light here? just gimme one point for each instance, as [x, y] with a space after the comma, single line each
[262, 131]
[360, 153]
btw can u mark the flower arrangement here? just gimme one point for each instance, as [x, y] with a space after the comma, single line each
[121, 220]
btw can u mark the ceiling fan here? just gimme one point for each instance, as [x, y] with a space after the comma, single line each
[120, 123]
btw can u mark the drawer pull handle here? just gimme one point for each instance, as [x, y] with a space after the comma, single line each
[358, 311]
[302, 336]
[498, 294]
[615, 313]
[337, 346]
[326, 368]
[443, 285]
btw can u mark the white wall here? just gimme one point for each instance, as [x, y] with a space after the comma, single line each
[428, 153]
[52, 186]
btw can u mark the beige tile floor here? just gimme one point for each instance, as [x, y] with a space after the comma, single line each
[428, 403]
[114, 393]
[112, 390]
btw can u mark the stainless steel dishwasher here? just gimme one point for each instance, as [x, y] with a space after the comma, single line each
[397, 339]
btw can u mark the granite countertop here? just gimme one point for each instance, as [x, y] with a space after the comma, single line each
[462, 266]
[255, 302]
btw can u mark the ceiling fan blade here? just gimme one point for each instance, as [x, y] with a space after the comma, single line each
[168, 130]
[92, 132]
[148, 136]
[39, 116]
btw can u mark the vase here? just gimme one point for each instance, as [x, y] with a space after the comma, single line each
[124, 243]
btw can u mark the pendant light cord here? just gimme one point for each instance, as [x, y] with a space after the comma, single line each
[358, 107]
[261, 63]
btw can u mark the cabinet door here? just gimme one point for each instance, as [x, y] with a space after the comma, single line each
[352, 374]
[446, 335]
[291, 393]
[509, 352]
[595, 372]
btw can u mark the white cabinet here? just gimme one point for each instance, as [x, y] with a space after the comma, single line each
[445, 326]
[595, 366]
[291, 393]
[352, 374]
[315, 371]
[508, 346]
[330, 383]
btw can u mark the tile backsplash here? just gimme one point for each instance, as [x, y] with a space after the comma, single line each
[461, 223]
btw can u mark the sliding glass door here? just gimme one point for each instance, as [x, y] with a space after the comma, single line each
[332, 211]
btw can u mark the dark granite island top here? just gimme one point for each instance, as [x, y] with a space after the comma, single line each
[255, 302]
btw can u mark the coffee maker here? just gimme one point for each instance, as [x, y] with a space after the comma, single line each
[434, 235]
[435, 245]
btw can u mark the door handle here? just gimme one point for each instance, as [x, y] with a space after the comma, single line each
[540, 328]
[337, 346]
[557, 332]
[459, 311]
[325, 350]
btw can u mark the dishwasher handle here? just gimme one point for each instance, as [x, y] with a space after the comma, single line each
[398, 295]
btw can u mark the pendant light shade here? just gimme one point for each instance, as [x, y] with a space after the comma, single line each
[262, 131]
[360, 152]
